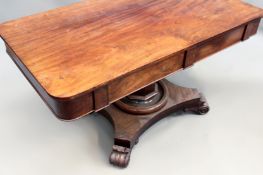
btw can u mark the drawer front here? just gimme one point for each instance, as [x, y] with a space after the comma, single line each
[145, 76]
[213, 45]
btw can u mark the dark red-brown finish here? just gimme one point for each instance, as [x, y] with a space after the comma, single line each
[129, 126]
[111, 57]
[85, 56]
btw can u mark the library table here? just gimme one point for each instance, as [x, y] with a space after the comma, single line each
[112, 56]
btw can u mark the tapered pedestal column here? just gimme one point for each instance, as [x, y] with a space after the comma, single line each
[134, 114]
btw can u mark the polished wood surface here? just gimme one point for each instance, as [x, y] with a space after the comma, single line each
[83, 57]
[129, 125]
[213, 45]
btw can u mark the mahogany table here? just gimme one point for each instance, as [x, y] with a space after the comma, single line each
[111, 56]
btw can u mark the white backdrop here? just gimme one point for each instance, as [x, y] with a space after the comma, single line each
[227, 141]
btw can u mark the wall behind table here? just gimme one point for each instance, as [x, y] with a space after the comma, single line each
[12, 9]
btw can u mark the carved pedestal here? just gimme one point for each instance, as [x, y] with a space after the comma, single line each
[132, 115]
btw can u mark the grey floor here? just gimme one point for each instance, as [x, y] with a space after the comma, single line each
[227, 141]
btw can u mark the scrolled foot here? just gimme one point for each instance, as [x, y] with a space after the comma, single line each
[120, 156]
[201, 108]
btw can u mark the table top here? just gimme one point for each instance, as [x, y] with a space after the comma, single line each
[74, 49]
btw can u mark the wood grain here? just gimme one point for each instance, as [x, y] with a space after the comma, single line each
[251, 29]
[65, 109]
[77, 48]
[148, 75]
[129, 126]
[213, 45]
[71, 54]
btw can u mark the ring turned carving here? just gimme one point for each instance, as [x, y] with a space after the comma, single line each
[132, 116]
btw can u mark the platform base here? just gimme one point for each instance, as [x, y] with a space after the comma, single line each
[134, 114]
